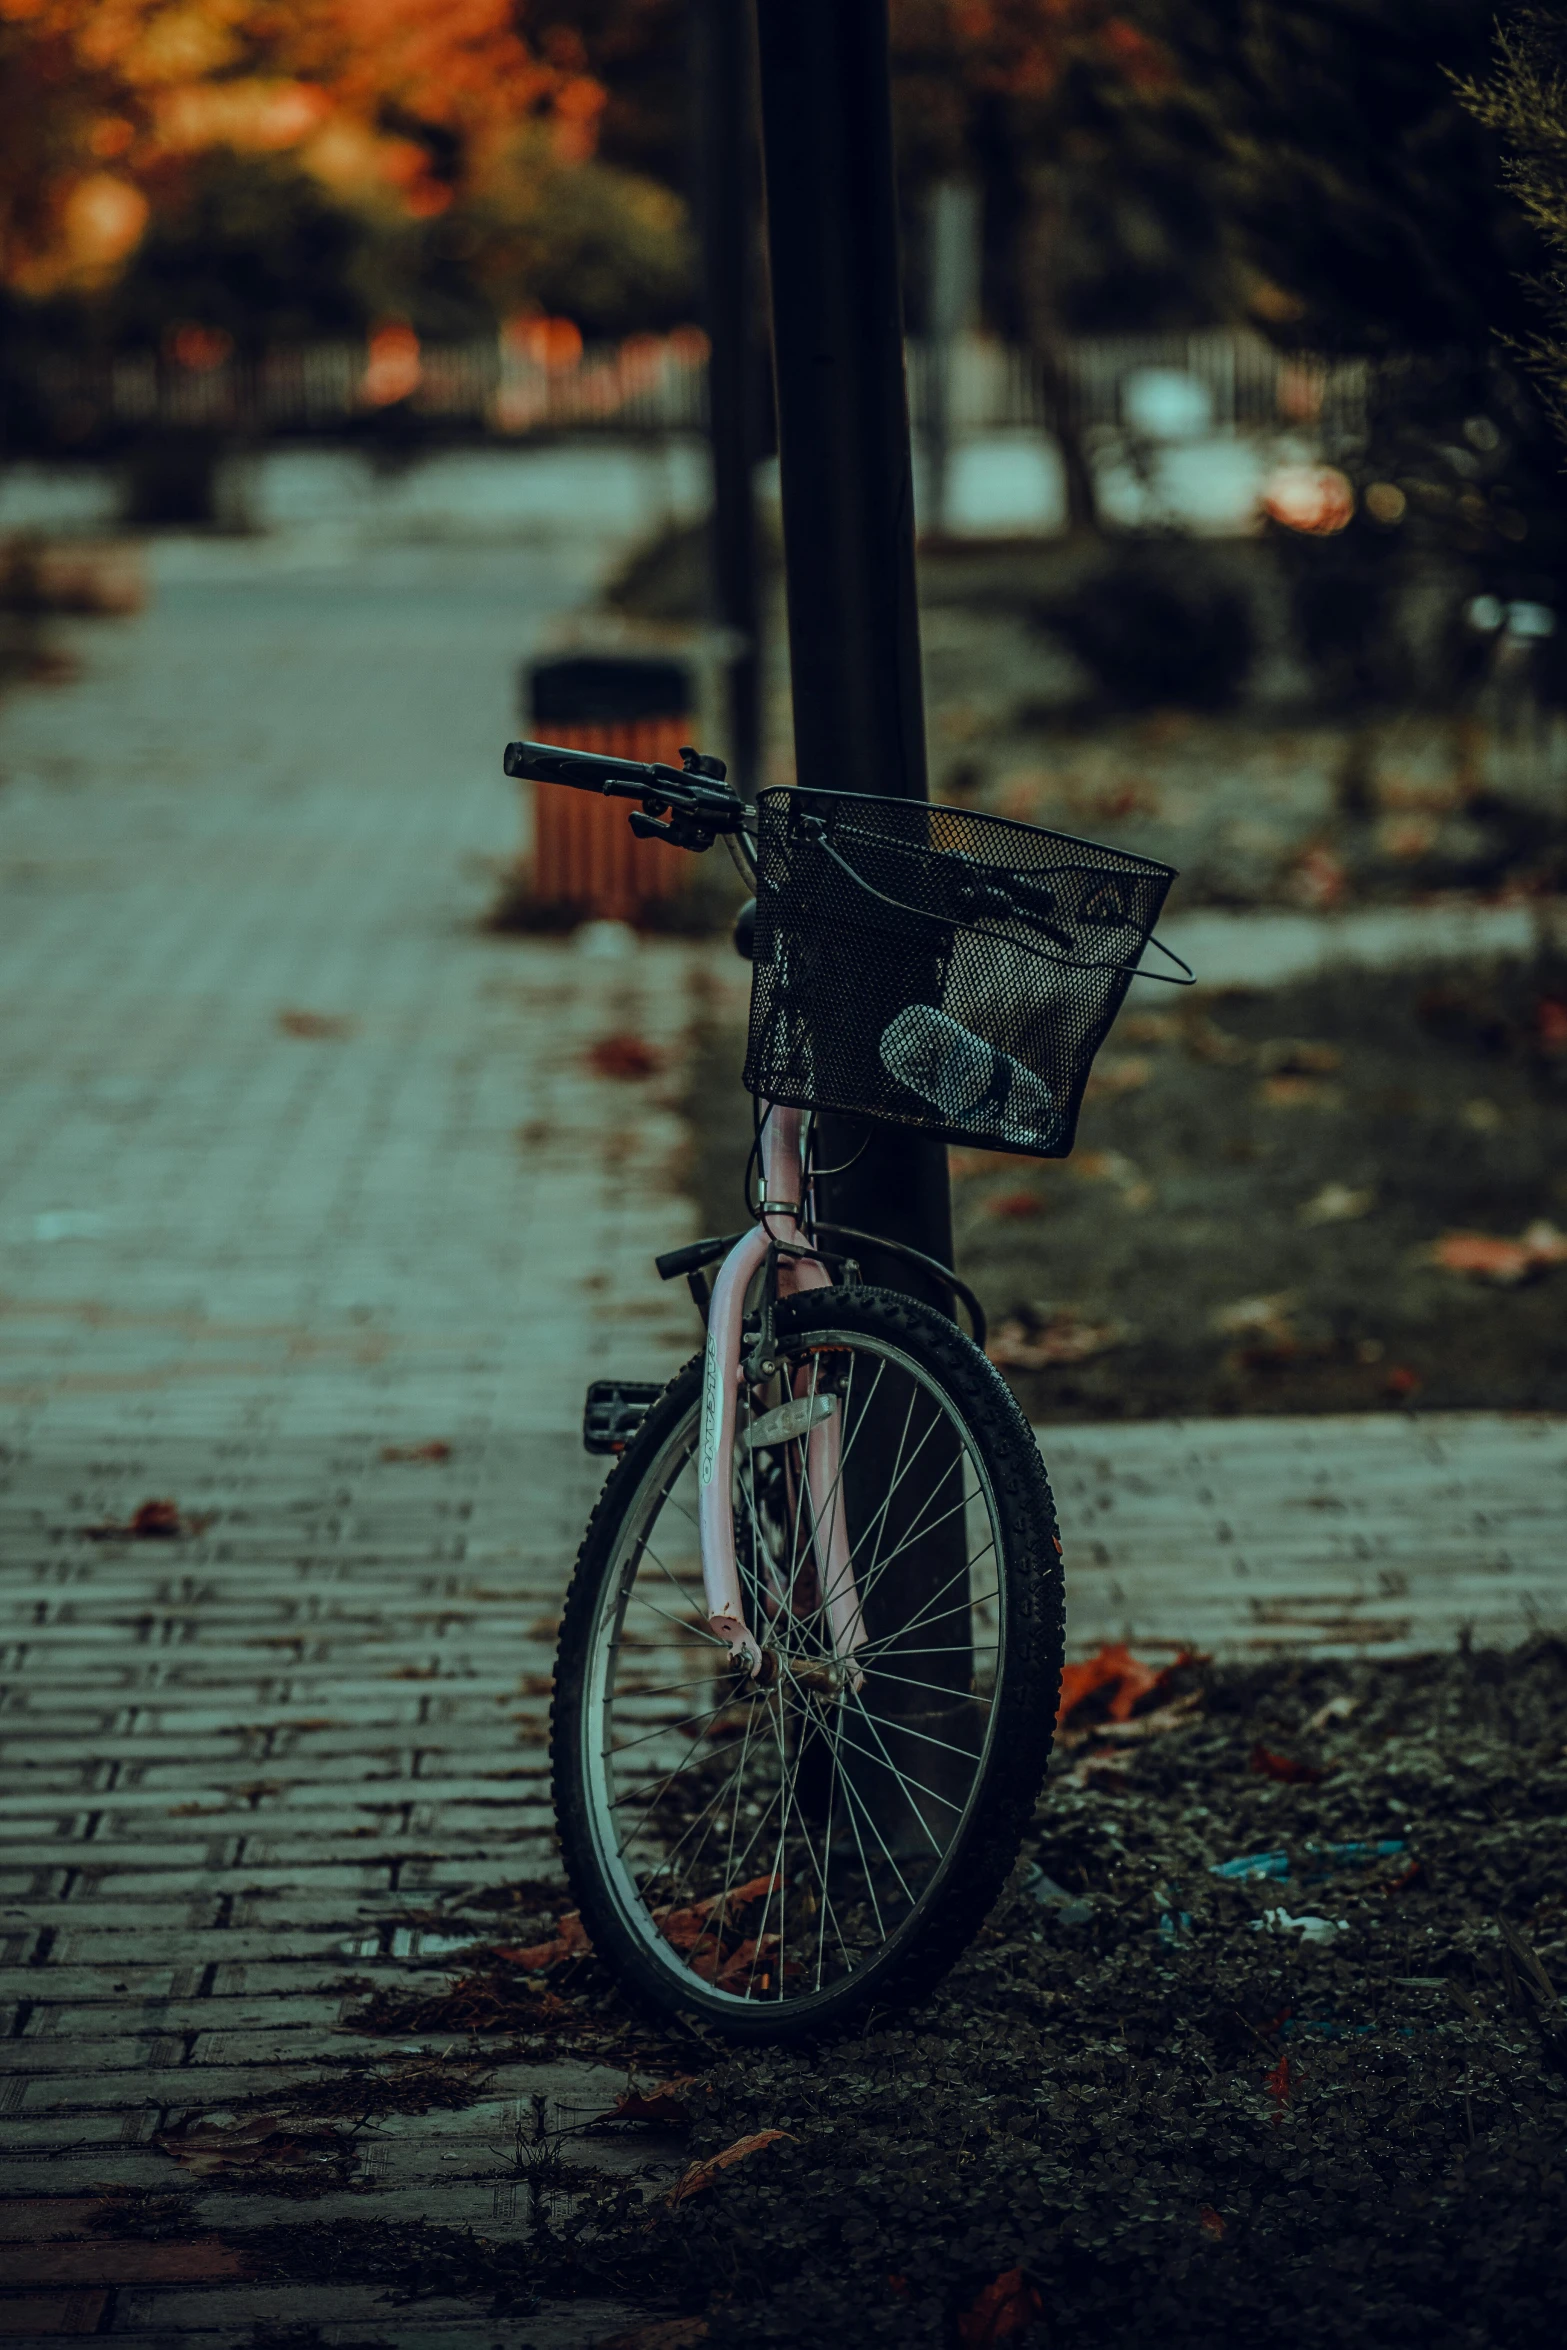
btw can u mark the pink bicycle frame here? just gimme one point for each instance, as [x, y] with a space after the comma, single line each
[783, 1179]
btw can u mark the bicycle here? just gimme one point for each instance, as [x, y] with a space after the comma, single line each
[810, 1657]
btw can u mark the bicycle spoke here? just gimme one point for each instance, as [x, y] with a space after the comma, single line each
[797, 1790]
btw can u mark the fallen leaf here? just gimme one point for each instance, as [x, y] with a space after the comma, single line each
[1280, 2086]
[1319, 880]
[664, 2104]
[1505, 1262]
[1299, 1093]
[687, 1926]
[702, 2174]
[1336, 1203]
[156, 1521]
[1249, 1314]
[1053, 1334]
[1113, 1667]
[624, 1055]
[1550, 1018]
[1284, 1768]
[1211, 2222]
[752, 1963]
[1264, 1325]
[1401, 1380]
[1009, 2305]
[1013, 1203]
[317, 1024]
[218, 2145]
[1177, 1715]
[1122, 1073]
[151, 1521]
[437, 1450]
[569, 1940]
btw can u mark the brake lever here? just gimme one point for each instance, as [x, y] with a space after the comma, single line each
[682, 831]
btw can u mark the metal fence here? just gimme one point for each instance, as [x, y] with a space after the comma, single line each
[515, 387]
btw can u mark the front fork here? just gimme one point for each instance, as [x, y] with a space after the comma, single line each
[783, 1176]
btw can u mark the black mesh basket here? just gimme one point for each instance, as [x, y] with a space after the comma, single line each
[937, 968]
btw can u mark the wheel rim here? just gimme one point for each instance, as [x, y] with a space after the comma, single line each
[770, 1842]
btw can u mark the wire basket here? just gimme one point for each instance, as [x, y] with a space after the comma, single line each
[936, 968]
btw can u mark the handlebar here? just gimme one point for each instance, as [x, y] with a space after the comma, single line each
[693, 800]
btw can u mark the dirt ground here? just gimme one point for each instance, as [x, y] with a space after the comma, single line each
[1250, 1219]
[1188, 700]
[1316, 2100]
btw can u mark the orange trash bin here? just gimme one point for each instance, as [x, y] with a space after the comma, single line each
[587, 862]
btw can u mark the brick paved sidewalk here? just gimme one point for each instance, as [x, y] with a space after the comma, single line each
[296, 1168]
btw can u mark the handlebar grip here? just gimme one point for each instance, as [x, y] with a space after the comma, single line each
[583, 770]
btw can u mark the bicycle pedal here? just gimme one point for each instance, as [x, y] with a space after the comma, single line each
[615, 1410]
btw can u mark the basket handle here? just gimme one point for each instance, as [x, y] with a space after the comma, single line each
[815, 830]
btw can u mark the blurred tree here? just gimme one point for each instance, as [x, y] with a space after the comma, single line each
[1366, 210]
[208, 154]
[1521, 99]
[252, 249]
[1068, 114]
[1364, 197]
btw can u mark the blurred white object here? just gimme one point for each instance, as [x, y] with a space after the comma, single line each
[1006, 485]
[1166, 404]
[1531, 620]
[1279, 1921]
[606, 942]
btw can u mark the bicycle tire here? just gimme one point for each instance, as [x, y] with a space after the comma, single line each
[936, 1360]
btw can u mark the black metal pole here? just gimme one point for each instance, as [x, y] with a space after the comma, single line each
[726, 209]
[848, 496]
[859, 725]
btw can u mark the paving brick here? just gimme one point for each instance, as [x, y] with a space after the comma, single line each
[238, 1267]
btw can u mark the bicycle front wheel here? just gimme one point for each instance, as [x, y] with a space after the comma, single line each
[773, 1854]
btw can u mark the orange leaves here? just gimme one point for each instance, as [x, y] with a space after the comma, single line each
[666, 2104]
[1280, 2087]
[1504, 1262]
[1211, 2222]
[569, 1940]
[1008, 2306]
[702, 2174]
[151, 1521]
[714, 1946]
[144, 82]
[1126, 1677]
[623, 1056]
[1020, 49]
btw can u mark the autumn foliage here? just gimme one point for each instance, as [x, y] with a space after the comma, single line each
[394, 105]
